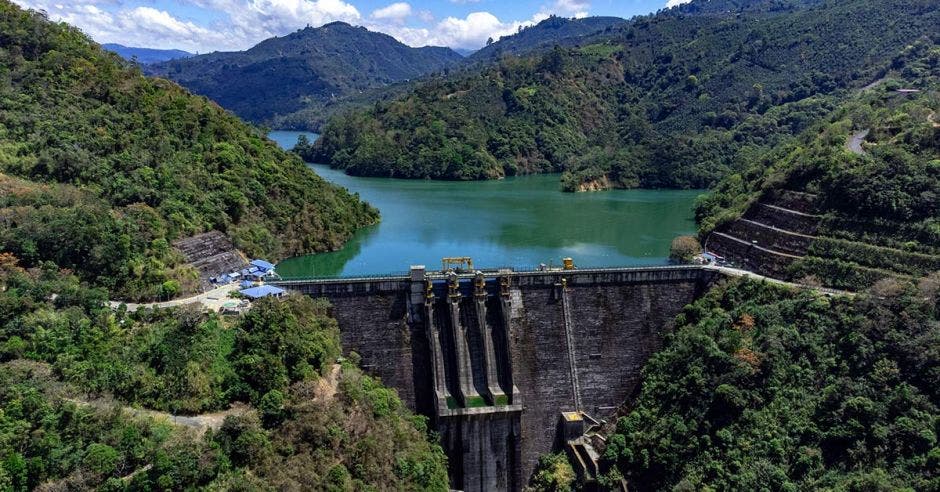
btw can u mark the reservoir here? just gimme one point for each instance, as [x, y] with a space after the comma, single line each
[517, 222]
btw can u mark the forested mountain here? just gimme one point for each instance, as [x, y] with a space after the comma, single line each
[668, 101]
[101, 168]
[869, 176]
[145, 55]
[765, 388]
[87, 394]
[544, 35]
[303, 70]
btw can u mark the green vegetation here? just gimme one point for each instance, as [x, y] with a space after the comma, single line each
[879, 209]
[314, 67]
[553, 474]
[683, 249]
[114, 166]
[314, 423]
[766, 388]
[676, 99]
[544, 35]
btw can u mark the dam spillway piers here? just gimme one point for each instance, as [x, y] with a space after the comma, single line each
[494, 357]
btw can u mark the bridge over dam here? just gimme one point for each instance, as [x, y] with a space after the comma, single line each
[494, 358]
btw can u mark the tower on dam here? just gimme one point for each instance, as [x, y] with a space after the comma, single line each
[495, 358]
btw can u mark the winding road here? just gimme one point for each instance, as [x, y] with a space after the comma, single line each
[854, 142]
[212, 299]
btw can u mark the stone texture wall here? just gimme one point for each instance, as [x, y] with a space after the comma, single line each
[375, 327]
[746, 255]
[768, 237]
[483, 450]
[783, 219]
[617, 321]
[616, 328]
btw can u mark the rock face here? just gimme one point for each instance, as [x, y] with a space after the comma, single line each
[557, 341]
[211, 253]
[599, 184]
[773, 234]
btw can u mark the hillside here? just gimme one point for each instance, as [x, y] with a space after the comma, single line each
[668, 101]
[102, 168]
[763, 388]
[544, 35]
[303, 70]
[145, 55]
[90, 398]
[853, 200]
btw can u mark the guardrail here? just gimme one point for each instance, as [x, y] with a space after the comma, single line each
[347, 278]
[526, 270]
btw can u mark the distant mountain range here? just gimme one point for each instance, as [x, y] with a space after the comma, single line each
[546, 34]
[145, 55]
[672, 100]
[310, 67]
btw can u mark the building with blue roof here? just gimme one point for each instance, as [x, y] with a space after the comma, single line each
[262, 291]
[262, 265]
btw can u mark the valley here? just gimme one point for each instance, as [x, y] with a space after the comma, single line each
[520, 222]
[693, 249]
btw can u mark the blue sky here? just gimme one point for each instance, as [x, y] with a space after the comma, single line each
[210, 25]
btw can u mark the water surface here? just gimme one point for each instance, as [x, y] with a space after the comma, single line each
[517, 222]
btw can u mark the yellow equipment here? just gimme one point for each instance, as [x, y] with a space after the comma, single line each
[569, 263]
[462, 263]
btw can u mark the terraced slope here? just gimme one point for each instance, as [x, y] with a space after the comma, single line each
[843, 215]
[783, 235]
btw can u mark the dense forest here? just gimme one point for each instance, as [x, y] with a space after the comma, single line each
[670, 100]
[547, 33]
[878, 204]
[285, 81]
[102, 167]
[764, 388]
[69, 364]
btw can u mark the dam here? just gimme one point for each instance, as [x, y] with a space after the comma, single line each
[495, 358]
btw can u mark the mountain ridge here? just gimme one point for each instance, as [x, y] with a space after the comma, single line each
[667, 101]
[145, 55]
[309, 67]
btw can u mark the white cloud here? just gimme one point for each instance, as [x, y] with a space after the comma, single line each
[241, 24]
[397, 12]
[572, 6]
[471, 31]
[674, 3]
[426, 16]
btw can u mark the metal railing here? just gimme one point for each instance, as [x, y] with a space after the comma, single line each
[511, 270]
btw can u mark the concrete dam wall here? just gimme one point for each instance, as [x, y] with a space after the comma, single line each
[494, 358]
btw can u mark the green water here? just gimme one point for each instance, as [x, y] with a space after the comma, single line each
[518, 222]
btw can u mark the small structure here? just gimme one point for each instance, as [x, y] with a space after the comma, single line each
[457, 263]
[258, 270]
[234, 308]
[261, 291]
[713, 258]
[262, 265]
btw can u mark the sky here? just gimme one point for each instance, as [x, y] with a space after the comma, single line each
[202, 26]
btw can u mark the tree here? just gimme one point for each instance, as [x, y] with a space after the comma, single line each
[684, 249]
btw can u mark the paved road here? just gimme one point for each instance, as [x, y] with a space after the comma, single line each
[199, 422]
[213, 299]
[737, 272]
[854, 142]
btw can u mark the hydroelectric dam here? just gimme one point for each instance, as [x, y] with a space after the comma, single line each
[496, 358]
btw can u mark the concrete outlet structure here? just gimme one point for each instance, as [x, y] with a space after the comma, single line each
[494, 357]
